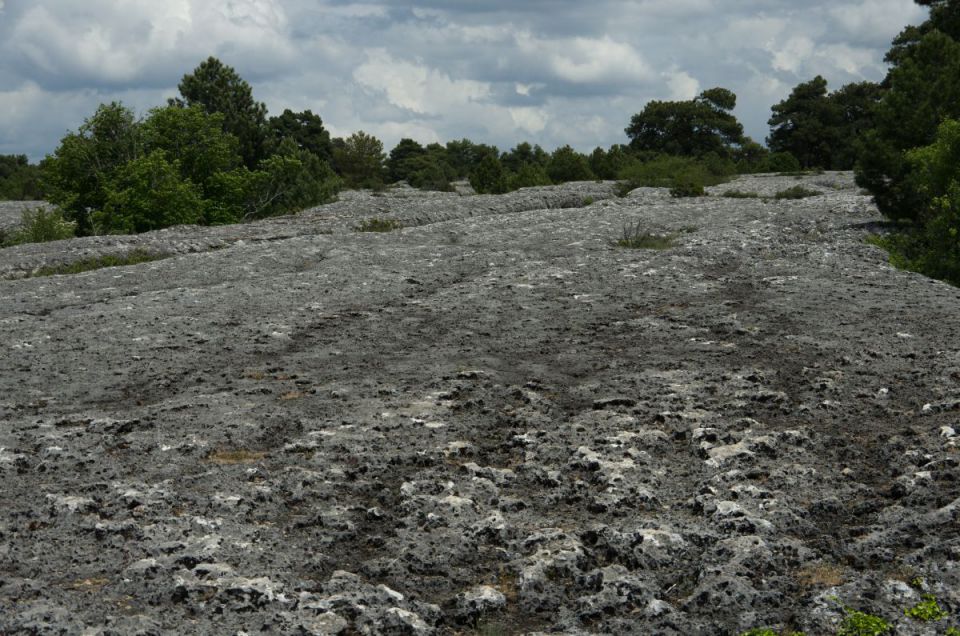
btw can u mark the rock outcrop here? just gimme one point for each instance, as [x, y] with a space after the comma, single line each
[493, 420]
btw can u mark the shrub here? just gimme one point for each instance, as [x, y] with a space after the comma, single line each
[926, 610]
[796, 192]
[783, 162]
[635, 238]
[667, 171]
[40, 226]
[740, 194]
[686, 188]
[861, 624]
[379, 225]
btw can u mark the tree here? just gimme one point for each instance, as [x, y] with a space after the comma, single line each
[19, 179]
[804, 125]
[523, 154]
[146, 194]
[464, 156]
[529, 175]
[192, 138]
[359, 160]
[688, 128]
[400, 163]
[566, 164]
[489, 177]
[76, 175]
[822, 129]
[922, 89]
[607, 164]
[217, 88]
[304, 128]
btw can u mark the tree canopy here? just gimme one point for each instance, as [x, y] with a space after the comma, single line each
[217, 88]
[689, 128]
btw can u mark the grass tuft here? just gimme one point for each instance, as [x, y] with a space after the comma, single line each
[796, 192]
[99, 262]
[234, 457]
[740, 194]
[379, 225]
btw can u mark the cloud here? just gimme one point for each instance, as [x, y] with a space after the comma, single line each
[550, 71]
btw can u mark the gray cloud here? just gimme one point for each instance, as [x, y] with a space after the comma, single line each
[551, 71]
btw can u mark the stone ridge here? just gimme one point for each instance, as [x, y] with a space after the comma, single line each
[492, 421]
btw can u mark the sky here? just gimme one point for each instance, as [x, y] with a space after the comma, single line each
[551, 72]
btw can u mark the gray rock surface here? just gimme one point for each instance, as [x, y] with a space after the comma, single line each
[490, 421]
[11, 213]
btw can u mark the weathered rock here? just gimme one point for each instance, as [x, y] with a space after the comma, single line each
[493, 418]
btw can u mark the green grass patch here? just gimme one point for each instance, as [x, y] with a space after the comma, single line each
[379, 225]
[740, 194]
[100, 262]
[796, 192]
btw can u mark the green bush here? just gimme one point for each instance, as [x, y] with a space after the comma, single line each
[782, 162]
[740, 194]
[667, 171]
[926, 610]
[40, 226]
[861, 624]
[687, 188]
[379, 225]
[566, 164]
[796, 192]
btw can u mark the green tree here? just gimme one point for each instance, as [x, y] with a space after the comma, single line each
[489, 177]
[688, 128]
[464, 156]
[217, 88]
[522, 154]
[607, 164]
[359, 160]
[194, 139]
[922, 89]
[822, 129]
[804, 125]
[76, 175]
[304, 128]
[566, 164]
[431, 170]
[528, 176]
[400, 163]
[146, 194]
[19, 179]
[751, 157]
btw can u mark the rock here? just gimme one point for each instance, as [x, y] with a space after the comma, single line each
[495, 417]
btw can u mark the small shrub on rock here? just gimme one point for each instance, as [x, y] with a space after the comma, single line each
[40, 226]
[634, 237]
[740, 194]
[379, 225]
[686, 188]
[796, 192]
[926, 610]
[862, 624]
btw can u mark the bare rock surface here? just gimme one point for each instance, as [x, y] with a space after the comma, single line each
[492, 420]
[11, 212]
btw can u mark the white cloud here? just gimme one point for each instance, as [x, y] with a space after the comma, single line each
[682, 85]
[530, 120]
[416, 87]
[551, 71]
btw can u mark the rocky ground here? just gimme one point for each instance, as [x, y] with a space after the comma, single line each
[491, 421]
